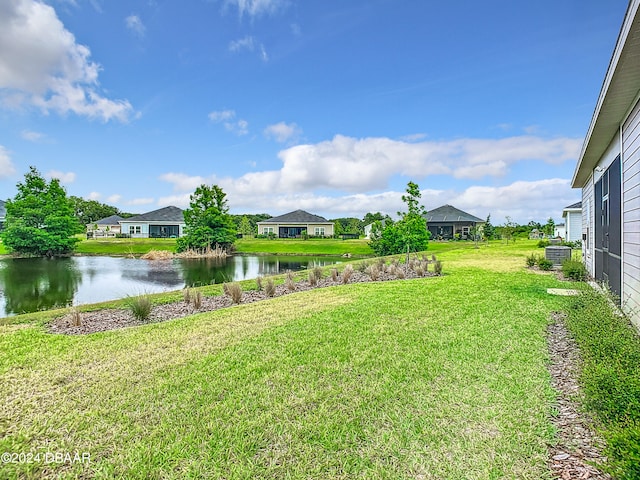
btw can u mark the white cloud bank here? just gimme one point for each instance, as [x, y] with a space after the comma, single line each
[6, 166]
[359, 170]
[41, 65]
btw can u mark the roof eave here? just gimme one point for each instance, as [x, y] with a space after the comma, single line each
[619, 90]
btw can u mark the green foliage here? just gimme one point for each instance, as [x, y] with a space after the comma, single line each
[574, 269]
[549, 227]
[240, 222]
[348, 225]
[488, 229]
[39, 219]
[208, 223]
[409, 234]
[140, 307]
[544, 264]
[89, 211]
[610, 350]
[508, 229]
[532, 260]
[543, 243]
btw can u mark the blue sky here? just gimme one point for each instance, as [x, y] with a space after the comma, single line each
[331, 106]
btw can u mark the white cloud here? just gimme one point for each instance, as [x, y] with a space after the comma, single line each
[94, 196]
[283, 132]
[32, 136]
[140, 201]
[249, 44]
[6, 167]
[115, 198]
[228, 119]
[134, 24]
[185, 183]
[64, 177]
[257, 8]
[42, 65]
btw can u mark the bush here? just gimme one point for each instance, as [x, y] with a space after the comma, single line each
[312, 279]
[610, 350]
[234, 290]
[270, 288]
[544, 264]
[574, 269]
[346, 274]
[437, 267]
[532, 260]
[140, 307]
[543, 243]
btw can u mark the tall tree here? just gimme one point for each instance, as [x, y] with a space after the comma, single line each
[409, 234]
[549, 227]
[488, 229]
[39, 219]
[245, 227]
[208, 223]
[90, 211]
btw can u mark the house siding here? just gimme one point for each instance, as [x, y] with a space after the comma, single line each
[588, 226]
[631, 214]
[573, 226]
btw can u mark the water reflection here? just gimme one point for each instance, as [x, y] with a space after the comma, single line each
[28, 285]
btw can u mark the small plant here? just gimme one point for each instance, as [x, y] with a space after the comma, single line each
[531, 260]
[393, 269]
[346, 274]
[419, 271]
[334, 274]
[437, 267]
[270, 288]
[362, 266]
[400, 273]
[373, 272]
[543, 243]
[197, 300]
[140, 307]
[317, 272]
[574, 269]
[259, 283]
[76, 317]
[544, 264]
[225, 289]
[186, 295]
[312, 279]
[234, 290]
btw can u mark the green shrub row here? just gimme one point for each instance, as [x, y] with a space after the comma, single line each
[610, 377]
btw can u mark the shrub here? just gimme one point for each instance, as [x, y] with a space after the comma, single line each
[543, 243]
[400, 273]
[574, 269]
[362, 266]
[259, 283]
[334, 274]
[197, 300]
[544, 264]
[346, 274]
[373, 272]
[532, 260]
[270, 288]
[76, 317]
[317, 272]
[140, 307]
[234, 290]
[186, 295]
[312, 279]
[437, 267]
[610, 350]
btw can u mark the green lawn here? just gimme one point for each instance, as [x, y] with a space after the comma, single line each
[432, 378]
[314, 246]
[124, 246]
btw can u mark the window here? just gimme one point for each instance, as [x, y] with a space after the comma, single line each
[319, 232]
[134, 229]
[267, 230]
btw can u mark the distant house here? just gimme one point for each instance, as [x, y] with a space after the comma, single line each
[293, 224]
[572, 216]
[560, 231]
[367, 228]
[608, 173]
[536, 234]
[167, 222]
[447, 221]
[109, 226]
[3, 214]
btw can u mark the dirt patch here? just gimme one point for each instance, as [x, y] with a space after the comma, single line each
[578, 451]
[111, 319]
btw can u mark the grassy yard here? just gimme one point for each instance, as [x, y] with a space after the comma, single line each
[314, 246]
[435, 378]
[124, 246]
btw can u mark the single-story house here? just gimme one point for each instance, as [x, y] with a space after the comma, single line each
[3, 214]
[367, 228]
[109, 226]
[447, 221]
[560, 231]
[608, 172]
[167, 222]
[572, 216]
[293, 224]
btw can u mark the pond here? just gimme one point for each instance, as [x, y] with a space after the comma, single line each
[33, 284]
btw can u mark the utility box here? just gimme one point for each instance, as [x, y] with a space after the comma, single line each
[557, 253]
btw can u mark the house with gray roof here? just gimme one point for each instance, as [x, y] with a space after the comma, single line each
[293, 224]
[105, 227]
[447, 221]
[167, 222]
[3, 214]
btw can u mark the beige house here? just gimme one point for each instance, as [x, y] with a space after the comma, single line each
[295, 224]
[105, 227]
